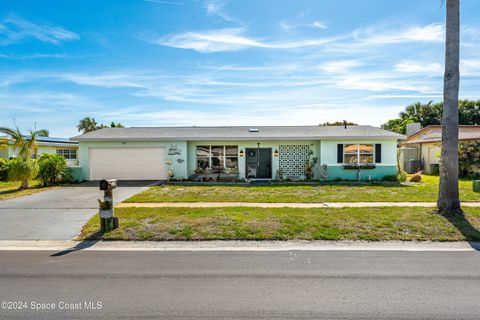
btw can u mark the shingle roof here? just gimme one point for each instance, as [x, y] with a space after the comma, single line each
[237, 133]
[433, 133]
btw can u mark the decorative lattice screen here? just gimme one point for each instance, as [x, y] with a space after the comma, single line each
[292, 159]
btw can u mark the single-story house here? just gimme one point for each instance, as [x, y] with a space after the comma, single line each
[62, 146]
[424, 145]
[265, 152]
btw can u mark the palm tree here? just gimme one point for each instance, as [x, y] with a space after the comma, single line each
[23, 168]
[3, 144]
[87, 124]
[448, 196]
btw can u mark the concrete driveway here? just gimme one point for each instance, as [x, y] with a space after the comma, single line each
[60, 213]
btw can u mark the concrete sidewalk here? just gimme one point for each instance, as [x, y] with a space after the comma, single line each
[285, 204]
[218, 245]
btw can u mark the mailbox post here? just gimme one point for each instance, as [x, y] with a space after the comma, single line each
[107, 221]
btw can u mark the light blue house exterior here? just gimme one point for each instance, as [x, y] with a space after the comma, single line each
[268, 152]
[50, 145]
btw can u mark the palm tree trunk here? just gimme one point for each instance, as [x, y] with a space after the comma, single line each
[24, 184]
[448, 198]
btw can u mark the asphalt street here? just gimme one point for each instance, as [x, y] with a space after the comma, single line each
[240, 285]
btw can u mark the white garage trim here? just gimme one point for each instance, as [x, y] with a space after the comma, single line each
[128, 163]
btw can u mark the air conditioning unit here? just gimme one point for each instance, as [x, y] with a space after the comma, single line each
[413, 166]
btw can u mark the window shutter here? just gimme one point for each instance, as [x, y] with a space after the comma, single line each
[378, 153]
[339, 153]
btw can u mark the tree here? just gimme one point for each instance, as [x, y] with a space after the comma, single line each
[102, 126]
[427, 114]
[448, 195]
[339, 123]
[87, 124]
[23, 168]
[469, 158]
[3, 144]
[116, 125]
[431, 114]
[397, 125]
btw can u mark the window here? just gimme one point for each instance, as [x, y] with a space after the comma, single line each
[69, 154]
[203, 157]
[217, 160]
[358, 153]
[231, 157]
[217, 157]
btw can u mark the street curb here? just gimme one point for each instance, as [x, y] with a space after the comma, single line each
[259, 246]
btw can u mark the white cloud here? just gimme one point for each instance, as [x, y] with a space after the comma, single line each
[287, 26]
[340, 66]
[319, 25]
[14, 29]
[378, 35]
[228, 40]
[174, 3]
[404, 96]
[209, 41]
[233, 39]
[383, 81]
[426, 68]
[109, 80]
[216, 8]
[32, 56]
[469, 67]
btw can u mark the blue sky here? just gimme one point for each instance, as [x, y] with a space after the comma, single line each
[217, 62]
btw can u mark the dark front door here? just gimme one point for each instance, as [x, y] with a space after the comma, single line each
[258, 163]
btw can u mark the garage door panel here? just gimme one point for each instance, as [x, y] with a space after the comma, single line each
[127, 163]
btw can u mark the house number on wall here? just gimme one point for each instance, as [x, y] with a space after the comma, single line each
[173, 150]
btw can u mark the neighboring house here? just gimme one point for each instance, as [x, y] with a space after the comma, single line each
[61, 146]
[157, 153]
[424, 145]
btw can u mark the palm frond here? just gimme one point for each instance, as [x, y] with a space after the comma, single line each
[13, 133]
[43, 133]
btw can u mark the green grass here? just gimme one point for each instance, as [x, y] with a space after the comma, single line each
[234, 223]
[426, 190]
[9, 190]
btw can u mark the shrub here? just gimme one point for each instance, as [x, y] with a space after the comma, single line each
[392, 178]
[402, 176]
[20, 170]
[468, 158]
[3, 169]
[417, 177]
[53, 169]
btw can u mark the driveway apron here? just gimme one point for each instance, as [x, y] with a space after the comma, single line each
[57, 214]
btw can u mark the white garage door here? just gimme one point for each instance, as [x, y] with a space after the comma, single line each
[127, 163]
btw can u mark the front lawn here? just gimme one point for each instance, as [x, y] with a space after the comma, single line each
[9, 190]
[425, 191]
[385, 223]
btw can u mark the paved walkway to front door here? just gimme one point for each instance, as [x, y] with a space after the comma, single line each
[285, 204]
